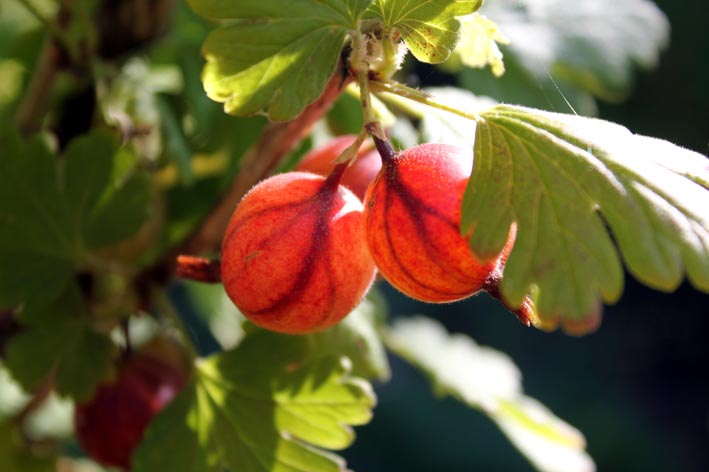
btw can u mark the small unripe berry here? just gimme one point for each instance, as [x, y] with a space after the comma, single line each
[412, 218]
[357, 177]
[294, 255]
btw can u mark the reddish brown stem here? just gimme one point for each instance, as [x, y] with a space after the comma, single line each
[275, 142]
[524, 313]
[199, 269]
[386, 151]
[38, 398]
[34, 102]
[335, 177]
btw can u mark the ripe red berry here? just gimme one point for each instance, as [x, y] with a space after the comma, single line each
[294, 256]
[111, 425]
[412, 215]
[357, 177]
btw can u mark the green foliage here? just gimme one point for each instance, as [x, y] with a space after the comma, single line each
[274, 397]
[358, 338]
[279, 60]
[54, 210]
[58, 342]
[562, 179]
[431, 29]
[88, 234]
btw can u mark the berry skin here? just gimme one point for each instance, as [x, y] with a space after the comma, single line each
[294, 255]
[412, 220]
[111, 425]
[357, 177]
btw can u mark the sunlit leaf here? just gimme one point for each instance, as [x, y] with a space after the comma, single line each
[268, 405]
[478, 45]
[431, 29]
[358, 338]
[487, 380]
[575, 186]
[279, 59]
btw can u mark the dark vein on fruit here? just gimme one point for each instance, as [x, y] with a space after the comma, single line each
[256, 214]
[414, 205]
[319, 237]
[403, 192]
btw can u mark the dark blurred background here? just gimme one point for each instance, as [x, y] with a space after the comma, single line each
[638, 388]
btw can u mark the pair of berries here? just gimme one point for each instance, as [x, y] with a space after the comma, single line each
[301, 250]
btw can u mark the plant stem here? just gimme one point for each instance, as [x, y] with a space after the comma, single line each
[39, 396]
[54, 30]
[526, 313]
[276, 141]
[420, 97]
[386, 151]
[333, 180]
[32, 108]
[199, 269]
[351, 151]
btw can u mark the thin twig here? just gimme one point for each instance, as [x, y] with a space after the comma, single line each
[33, 106]
[199, 269]
[40, 395]
[276, 141]
[56, 32]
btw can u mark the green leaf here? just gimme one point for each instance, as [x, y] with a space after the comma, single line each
[268, 405]
[274, 58]
[26, 275]
[358, 338]
[88, 164]
[566, 181]
[478, 45]
[488, 380]
[123, 209]
[430, 29]
[593, 44]
[53, 209]
[37, 237]
[57, 340]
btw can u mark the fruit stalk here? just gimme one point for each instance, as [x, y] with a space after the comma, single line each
[275, 142]
[198, 268]
[525, 313]
[386, 151]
